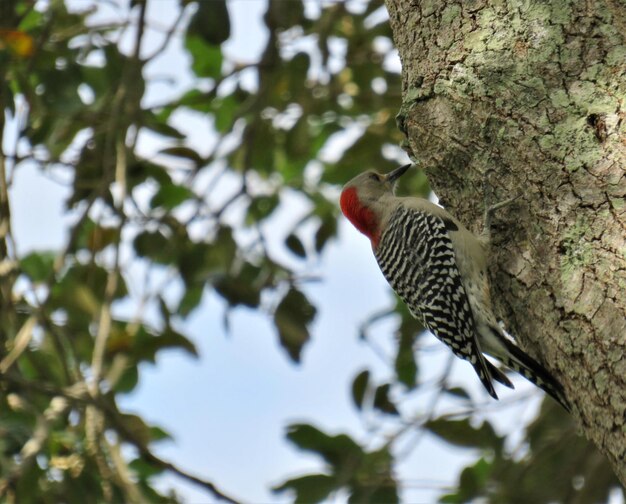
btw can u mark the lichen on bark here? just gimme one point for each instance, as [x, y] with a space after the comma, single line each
[535, 93]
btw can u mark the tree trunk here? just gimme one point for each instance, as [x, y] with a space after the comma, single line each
[534, 93]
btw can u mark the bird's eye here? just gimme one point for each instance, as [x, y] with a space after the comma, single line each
[374, 176]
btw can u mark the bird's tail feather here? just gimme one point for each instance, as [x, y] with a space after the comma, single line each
[534, 372]
[499, 375]
[484, 371]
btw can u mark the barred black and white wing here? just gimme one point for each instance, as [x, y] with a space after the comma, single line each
[417, 258]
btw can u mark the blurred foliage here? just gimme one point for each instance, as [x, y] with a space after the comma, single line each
[193, 219]
[366, 475]
[553, 464]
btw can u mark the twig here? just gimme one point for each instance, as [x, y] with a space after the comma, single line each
[5, 208]
[431, 410]
[168, 36]
[20, 343]
[207, 485]
[57, 407]
[133, 494]
[114, 155]
[105, 319]
[79, 393]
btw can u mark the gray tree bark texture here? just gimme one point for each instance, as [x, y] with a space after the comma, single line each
[533, 93]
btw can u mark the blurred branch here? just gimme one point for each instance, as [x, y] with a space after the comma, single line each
[94, 422]
[133, 495]
[375, 347]
[243, 190]
[75, 232]
[212, 93]
[207, 485]
[168, 36]
[5, 208]
[7, 243]
[122, 96]
[141, 26]
[20, 343]
[94, 429]
[57, 407]
[104, 325]
[80, 394]
[115, 154]
[430, 409]
[129, 437]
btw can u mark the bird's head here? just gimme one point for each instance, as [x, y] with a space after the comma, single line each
[363, 200]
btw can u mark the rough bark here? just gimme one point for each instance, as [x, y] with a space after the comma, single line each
[534, 92]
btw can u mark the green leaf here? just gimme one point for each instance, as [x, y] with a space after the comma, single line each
[193, 99]
[385, 493]
[326, 231]
[160, 126]
[211, 22]
[153, 245]
[458, 392]
[29, 479]
[339, 451]
[31, 19]
[239, 290]
[461, 433]
[141, 170]
[472, 483]
[297, 141]
[224, 109]
[170, 196]
[295, 245]
[144, 470]
[382, 401]
[185, 153]
[38, 265]
[145, 344]
[129, 379]
[292, 317]
[81, 291]
[206, 58]
[190, 300]
[296, 70]
[158, 434]
[360, 388]
[136, 427]
[319, 133]
[311, 488]
[259, 142]
[284, 14]
[101, 237]
[375, 493]
[199, 262]
[405, 365]
[261, 207]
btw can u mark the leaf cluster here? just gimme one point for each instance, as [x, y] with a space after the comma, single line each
[365, 475]
[191, 221]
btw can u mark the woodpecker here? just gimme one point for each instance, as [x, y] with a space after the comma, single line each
[439, 269]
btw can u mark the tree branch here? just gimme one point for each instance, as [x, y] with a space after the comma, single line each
[79, 393]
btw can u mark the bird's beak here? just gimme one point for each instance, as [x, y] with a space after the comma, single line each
[397, 173]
